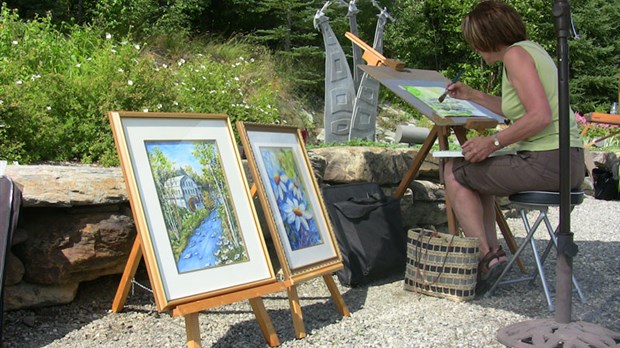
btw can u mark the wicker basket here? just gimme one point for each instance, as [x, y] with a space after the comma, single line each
[441, 265]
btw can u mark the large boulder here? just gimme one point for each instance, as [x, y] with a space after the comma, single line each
[385, 166]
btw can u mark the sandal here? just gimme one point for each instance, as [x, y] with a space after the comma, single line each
[487, 272]
[501, 255]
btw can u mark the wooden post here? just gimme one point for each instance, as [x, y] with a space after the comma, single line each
[192, 330]
[336, 296]
[297, 316]
[264, 322]
[130, 270]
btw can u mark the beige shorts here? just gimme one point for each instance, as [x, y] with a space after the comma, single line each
[524, 171]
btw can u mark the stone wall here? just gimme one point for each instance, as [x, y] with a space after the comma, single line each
[76, 223]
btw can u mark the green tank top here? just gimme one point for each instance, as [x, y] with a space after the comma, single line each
[512, 108]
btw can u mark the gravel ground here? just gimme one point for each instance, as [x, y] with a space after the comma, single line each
[382, 314]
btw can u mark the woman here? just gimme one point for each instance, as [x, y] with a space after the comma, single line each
[530, 101]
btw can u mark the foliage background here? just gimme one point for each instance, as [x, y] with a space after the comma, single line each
[64, 63]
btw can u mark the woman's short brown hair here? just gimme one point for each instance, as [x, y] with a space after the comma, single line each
[491, 25]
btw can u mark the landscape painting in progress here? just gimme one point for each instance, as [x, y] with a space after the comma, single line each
[196, 204]
[429, 95]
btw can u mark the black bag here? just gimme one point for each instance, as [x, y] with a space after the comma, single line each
[605, 185]
[369, 232]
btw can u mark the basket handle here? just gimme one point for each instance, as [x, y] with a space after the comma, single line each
[445, 258]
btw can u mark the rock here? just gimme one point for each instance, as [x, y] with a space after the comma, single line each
[26, 295]
[385, 166]
[68, 247]
[13, 270]
[318, 163]
[67, 186]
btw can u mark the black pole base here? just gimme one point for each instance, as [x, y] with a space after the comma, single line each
[551, 334]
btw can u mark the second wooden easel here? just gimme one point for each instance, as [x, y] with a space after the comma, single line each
[293, 297]
[323, 268]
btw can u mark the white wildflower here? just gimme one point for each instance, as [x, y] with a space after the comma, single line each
[159, 106]
[14, 42]
[108, 36]
[19, 82]
[252, 60]
[165, 66]
[1, 102]
[130, 83]
[193, 88]
[113, 51]
[145, 110]
[236, 78]
[120, 70]
[204, 77]
[48, 108]
[175, 102]
[136, 46]
[212, 91]
[241, 58]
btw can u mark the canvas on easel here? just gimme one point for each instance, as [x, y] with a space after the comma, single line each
[429, 93]
[295, 212]
[197, 227]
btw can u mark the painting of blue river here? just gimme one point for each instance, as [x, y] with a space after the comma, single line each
[204, 245]
[208, 247]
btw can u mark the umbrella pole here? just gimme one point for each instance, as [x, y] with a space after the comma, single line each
[566, 248]
[561, 332]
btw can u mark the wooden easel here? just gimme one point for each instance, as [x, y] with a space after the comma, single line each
[293, 279]
[389, 73]
[191, 309]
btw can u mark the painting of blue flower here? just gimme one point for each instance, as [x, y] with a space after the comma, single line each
[291, 198]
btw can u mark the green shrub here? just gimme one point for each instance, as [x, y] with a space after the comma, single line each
[57, 85]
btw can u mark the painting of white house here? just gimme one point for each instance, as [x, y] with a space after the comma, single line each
[196, 204]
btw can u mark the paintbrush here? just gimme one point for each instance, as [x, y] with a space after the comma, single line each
[454, 80]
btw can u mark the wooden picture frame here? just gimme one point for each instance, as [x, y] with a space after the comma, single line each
[191, 204]
[290, 196]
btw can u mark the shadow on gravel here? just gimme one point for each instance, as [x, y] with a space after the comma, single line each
[321, 312]
[597, 270]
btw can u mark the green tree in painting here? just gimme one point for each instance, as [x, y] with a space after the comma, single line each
[213, 175]
[163, 170]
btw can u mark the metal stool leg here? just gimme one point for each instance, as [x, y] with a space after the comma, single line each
[541, 271]
[530, 233]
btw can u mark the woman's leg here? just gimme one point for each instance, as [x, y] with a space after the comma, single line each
[469, 208]
[488, 203]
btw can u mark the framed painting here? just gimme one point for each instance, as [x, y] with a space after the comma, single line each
[191, 203]
[289, 193]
